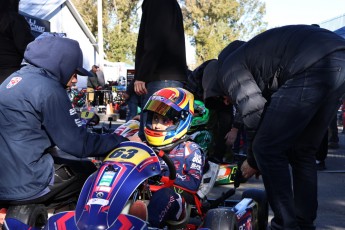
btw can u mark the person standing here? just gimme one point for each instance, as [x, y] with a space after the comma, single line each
[100, 77]
[93, 86]
[286, 83]
[36, 115]
[15, 34]
[160, 59]
[101, 85]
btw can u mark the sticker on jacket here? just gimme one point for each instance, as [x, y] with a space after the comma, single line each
[14, 81]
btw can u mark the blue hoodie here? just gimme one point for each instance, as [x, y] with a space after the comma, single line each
[36, 113]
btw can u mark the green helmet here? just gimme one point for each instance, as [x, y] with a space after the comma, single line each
[203, 138]
[201, 115]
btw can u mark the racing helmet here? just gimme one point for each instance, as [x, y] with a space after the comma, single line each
[128, 129]
[177, 104]
[201, 116]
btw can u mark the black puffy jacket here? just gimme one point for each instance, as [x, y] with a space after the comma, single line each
[247, 74]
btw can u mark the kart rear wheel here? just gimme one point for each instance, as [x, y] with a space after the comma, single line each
[260, 198]
[34, 215]
[220, 219]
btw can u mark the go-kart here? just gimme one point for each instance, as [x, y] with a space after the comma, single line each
[122, 179]
[22, 216]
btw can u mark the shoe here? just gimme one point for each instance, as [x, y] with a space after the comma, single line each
[320, 165]
[333, 145]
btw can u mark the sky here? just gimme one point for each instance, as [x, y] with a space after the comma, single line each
[285, 12]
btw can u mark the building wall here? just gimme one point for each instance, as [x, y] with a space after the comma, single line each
[64, 18]
[64, 22]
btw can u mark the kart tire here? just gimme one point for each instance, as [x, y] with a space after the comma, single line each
[260, 198]
[34, 215]
[220, 219]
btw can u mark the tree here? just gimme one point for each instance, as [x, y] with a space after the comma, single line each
[121, 37]
[120, 21]
[88, 10]
[212, 25]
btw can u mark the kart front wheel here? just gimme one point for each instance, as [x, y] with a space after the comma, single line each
[34, 215]
[220, 219]
[260, 198]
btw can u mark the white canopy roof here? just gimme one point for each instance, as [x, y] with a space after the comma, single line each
[40, 8]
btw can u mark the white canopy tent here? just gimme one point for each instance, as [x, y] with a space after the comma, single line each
[64, 18]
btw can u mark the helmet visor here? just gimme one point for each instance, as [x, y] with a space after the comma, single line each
[163, 107]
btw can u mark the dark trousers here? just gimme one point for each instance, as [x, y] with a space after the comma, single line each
[241, 136]
[333, 129]
[322, 152]
[69, 178]
[133, 102]
[290, 133]
[164, 205]
[99, 98]
[220, 124]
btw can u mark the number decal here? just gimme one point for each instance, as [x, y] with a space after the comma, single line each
[123, 153]
[130, 154]
[87, 114]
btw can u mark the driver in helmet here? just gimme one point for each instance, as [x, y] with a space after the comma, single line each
[198, 130]
[170, 113]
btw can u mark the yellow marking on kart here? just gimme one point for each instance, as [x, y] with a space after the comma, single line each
[87, 114]
[128, 154]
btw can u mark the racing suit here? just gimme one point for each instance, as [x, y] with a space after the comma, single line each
[169, 203]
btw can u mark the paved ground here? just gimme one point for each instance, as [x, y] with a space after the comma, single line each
[331, 185]
[331, 190]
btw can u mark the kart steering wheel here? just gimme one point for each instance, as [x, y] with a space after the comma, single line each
[167, 181]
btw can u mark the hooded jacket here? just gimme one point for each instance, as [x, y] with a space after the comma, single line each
[254, 71]
[36, 114]
[161, 51]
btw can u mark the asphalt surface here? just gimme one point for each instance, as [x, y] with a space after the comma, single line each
[331, 188]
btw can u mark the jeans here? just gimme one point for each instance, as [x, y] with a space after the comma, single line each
[290, 134]
[333, 130]
[133, 102]
[153, 87]
[321, 153]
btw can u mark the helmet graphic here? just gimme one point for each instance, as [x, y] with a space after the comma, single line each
[176, 104]
[128, 129]
[201, 116]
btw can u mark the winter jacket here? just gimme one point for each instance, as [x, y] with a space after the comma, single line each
[92, 82]
[253, 72]
[13, 41]
[189, 161]
[161, 52]
[36, 113]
